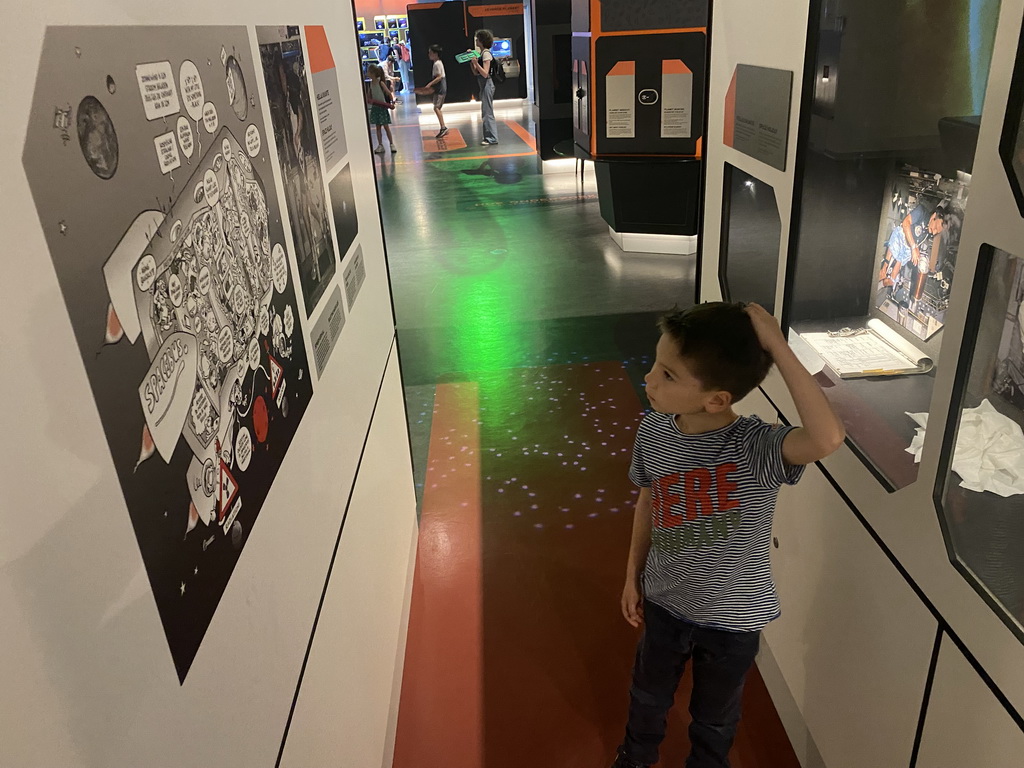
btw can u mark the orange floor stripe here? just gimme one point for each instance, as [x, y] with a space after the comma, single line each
[440, 716]
[479, 157]
[452, 141]
[523, 134]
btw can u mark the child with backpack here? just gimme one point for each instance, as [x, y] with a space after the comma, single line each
[481, 67]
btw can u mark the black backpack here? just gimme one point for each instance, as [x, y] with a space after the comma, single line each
[497, 71]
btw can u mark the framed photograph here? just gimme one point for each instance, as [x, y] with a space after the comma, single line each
[920, 236]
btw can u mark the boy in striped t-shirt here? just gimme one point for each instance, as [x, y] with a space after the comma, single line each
[699, 577]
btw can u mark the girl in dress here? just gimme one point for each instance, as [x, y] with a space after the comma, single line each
[382, 101]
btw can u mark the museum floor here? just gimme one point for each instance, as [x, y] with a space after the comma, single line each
[524, 335]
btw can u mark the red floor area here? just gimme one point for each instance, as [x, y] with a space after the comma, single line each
[440, 719]
[517, 653]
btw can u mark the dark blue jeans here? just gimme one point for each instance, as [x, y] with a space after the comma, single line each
[720, 663]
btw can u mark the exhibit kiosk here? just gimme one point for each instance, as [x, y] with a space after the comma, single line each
[200, 319]
[864, 183]
[639, 88]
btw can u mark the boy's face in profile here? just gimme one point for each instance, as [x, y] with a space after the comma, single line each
[671, 386]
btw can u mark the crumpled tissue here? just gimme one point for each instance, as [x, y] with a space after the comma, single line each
[989, 453]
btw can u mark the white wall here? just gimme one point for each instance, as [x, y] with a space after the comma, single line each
[88, 678]
[965, 724]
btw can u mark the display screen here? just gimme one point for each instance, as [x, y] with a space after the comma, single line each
[403, 22]
[379, 23]
[360, 25]
[502, 48]
[392, 23]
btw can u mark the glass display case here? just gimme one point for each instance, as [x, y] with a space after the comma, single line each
[980, 486]
[883, 172]
[748, 264]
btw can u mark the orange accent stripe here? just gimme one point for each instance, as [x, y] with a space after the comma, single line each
[591, 86]
[729, 129]
[480, 157]
[320, 57]
[523, 134]
[622, 68]
[651, 31]
[440, 716]
[674, 67]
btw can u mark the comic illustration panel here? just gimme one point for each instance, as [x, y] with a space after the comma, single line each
[148, 164]
[291, 112]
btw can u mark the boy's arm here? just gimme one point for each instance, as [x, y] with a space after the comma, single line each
[822, 432]
[639, 545]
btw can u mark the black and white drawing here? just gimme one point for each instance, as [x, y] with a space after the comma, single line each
[165, 231]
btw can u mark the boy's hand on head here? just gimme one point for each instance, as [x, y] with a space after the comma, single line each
[766, 327]
[633, 603]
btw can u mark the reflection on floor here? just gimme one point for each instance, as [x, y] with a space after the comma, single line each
[524, 335]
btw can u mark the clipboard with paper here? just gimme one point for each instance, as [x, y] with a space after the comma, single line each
[873, 350]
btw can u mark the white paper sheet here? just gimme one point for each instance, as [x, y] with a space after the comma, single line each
[989, 453]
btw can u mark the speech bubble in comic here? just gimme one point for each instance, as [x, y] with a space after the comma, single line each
[167, 152]
[225, 148]
[253, 142]
[243, 448]
[279, 268]
[264, 320]
[185, 136]
[191, 85]
[174, 290]
[156, 85]
[211, 188]
[289, 321]
[203, 282]
[210, 119]
[145, 272]
[254, 353]
[225, 344]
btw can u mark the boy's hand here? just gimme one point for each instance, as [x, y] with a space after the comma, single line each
[766, 327]
[633, 603]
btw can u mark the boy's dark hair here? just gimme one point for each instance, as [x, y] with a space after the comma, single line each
[486, 37]
[719, 343]
[435, 48]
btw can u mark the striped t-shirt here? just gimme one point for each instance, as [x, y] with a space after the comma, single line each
[713, 497]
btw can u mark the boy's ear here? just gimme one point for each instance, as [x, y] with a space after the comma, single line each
[718, 402]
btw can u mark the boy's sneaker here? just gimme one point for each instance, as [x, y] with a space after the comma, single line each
[379, 150]
[621, 761]
[442, 133]
[394, 150]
